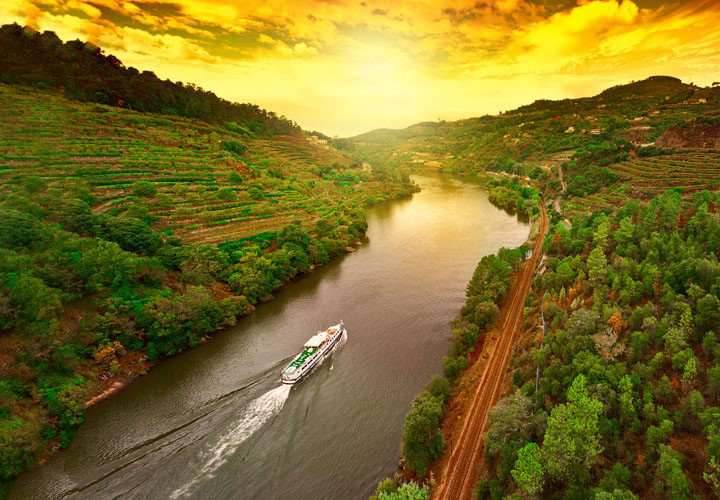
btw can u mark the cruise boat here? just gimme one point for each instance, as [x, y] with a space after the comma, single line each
[316, 349]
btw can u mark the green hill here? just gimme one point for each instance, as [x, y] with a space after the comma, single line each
[84, 72]
[616, 379]
[626, 117]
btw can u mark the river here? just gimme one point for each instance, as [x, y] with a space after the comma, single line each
[215, 423]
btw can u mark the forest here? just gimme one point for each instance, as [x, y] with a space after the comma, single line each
[82, 71]
[626, 404]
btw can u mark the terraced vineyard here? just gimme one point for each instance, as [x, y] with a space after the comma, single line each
[646, 178]
[202, 190]
[690, 172]
[604, 199]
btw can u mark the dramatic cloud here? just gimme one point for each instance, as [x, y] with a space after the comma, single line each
[346, 66]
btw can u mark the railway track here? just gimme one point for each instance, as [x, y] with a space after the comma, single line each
[460, 475]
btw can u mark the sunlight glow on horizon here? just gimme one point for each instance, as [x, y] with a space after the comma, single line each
[346, 68]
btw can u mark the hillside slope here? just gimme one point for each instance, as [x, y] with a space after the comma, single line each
[126, 237]
[628, 117]
[615, 376]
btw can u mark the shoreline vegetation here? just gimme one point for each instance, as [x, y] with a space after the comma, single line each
[150, 303]
[423, 442]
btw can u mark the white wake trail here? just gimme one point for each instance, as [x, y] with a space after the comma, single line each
[252, 418]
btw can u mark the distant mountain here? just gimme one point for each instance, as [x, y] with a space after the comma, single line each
[82, 71]
[619, 121]
[385, 134]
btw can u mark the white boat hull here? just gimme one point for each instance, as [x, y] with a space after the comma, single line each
[317, 358]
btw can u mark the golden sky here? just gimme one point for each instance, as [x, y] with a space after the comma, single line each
[348, 66]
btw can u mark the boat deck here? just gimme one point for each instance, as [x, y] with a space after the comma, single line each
[298, 362]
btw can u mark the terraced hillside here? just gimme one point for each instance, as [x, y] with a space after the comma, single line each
[533, 137]
[687, 172]
[646, 178]
[203, 191]
[126, 237]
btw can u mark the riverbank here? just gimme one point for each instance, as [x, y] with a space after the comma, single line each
[458, 469]
[470, 362]
[134, 364]
[152, 434]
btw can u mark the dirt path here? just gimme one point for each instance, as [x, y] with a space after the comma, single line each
[460, 474]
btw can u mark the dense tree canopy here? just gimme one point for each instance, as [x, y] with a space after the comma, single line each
[82, 71]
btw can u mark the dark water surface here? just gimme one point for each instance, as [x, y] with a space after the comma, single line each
[215, 422]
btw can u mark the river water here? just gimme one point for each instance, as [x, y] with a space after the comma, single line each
[215, 423]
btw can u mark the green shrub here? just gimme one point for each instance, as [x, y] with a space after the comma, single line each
[22, 231]
[144, 189]
[233, 146]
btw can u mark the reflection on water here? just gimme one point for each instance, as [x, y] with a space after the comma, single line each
[213, 422]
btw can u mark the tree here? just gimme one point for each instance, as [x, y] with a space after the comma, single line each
[294, 233]
[607, 345]
[132, 235]
[453, 366]
[675, 340]
[21, 230]
[512, 419]
[422, 441]
[690, 371]
[624, 234]
[408, 491]
[670, 476]
[528, 471]
[439, 387]
[386, 486]
[710, 345]
[657, 435]
[713, 377]
[200, 263]
[76, 215]
[708, 312]
[144, 189]
[28, 300]
[600, 236]
[233, 146]
[226, 194]
[485, 315]
[597, 266]
[581, 323]
[572, 438]
[627, 407]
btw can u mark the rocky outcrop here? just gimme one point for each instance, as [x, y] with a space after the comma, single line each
[693, 134]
